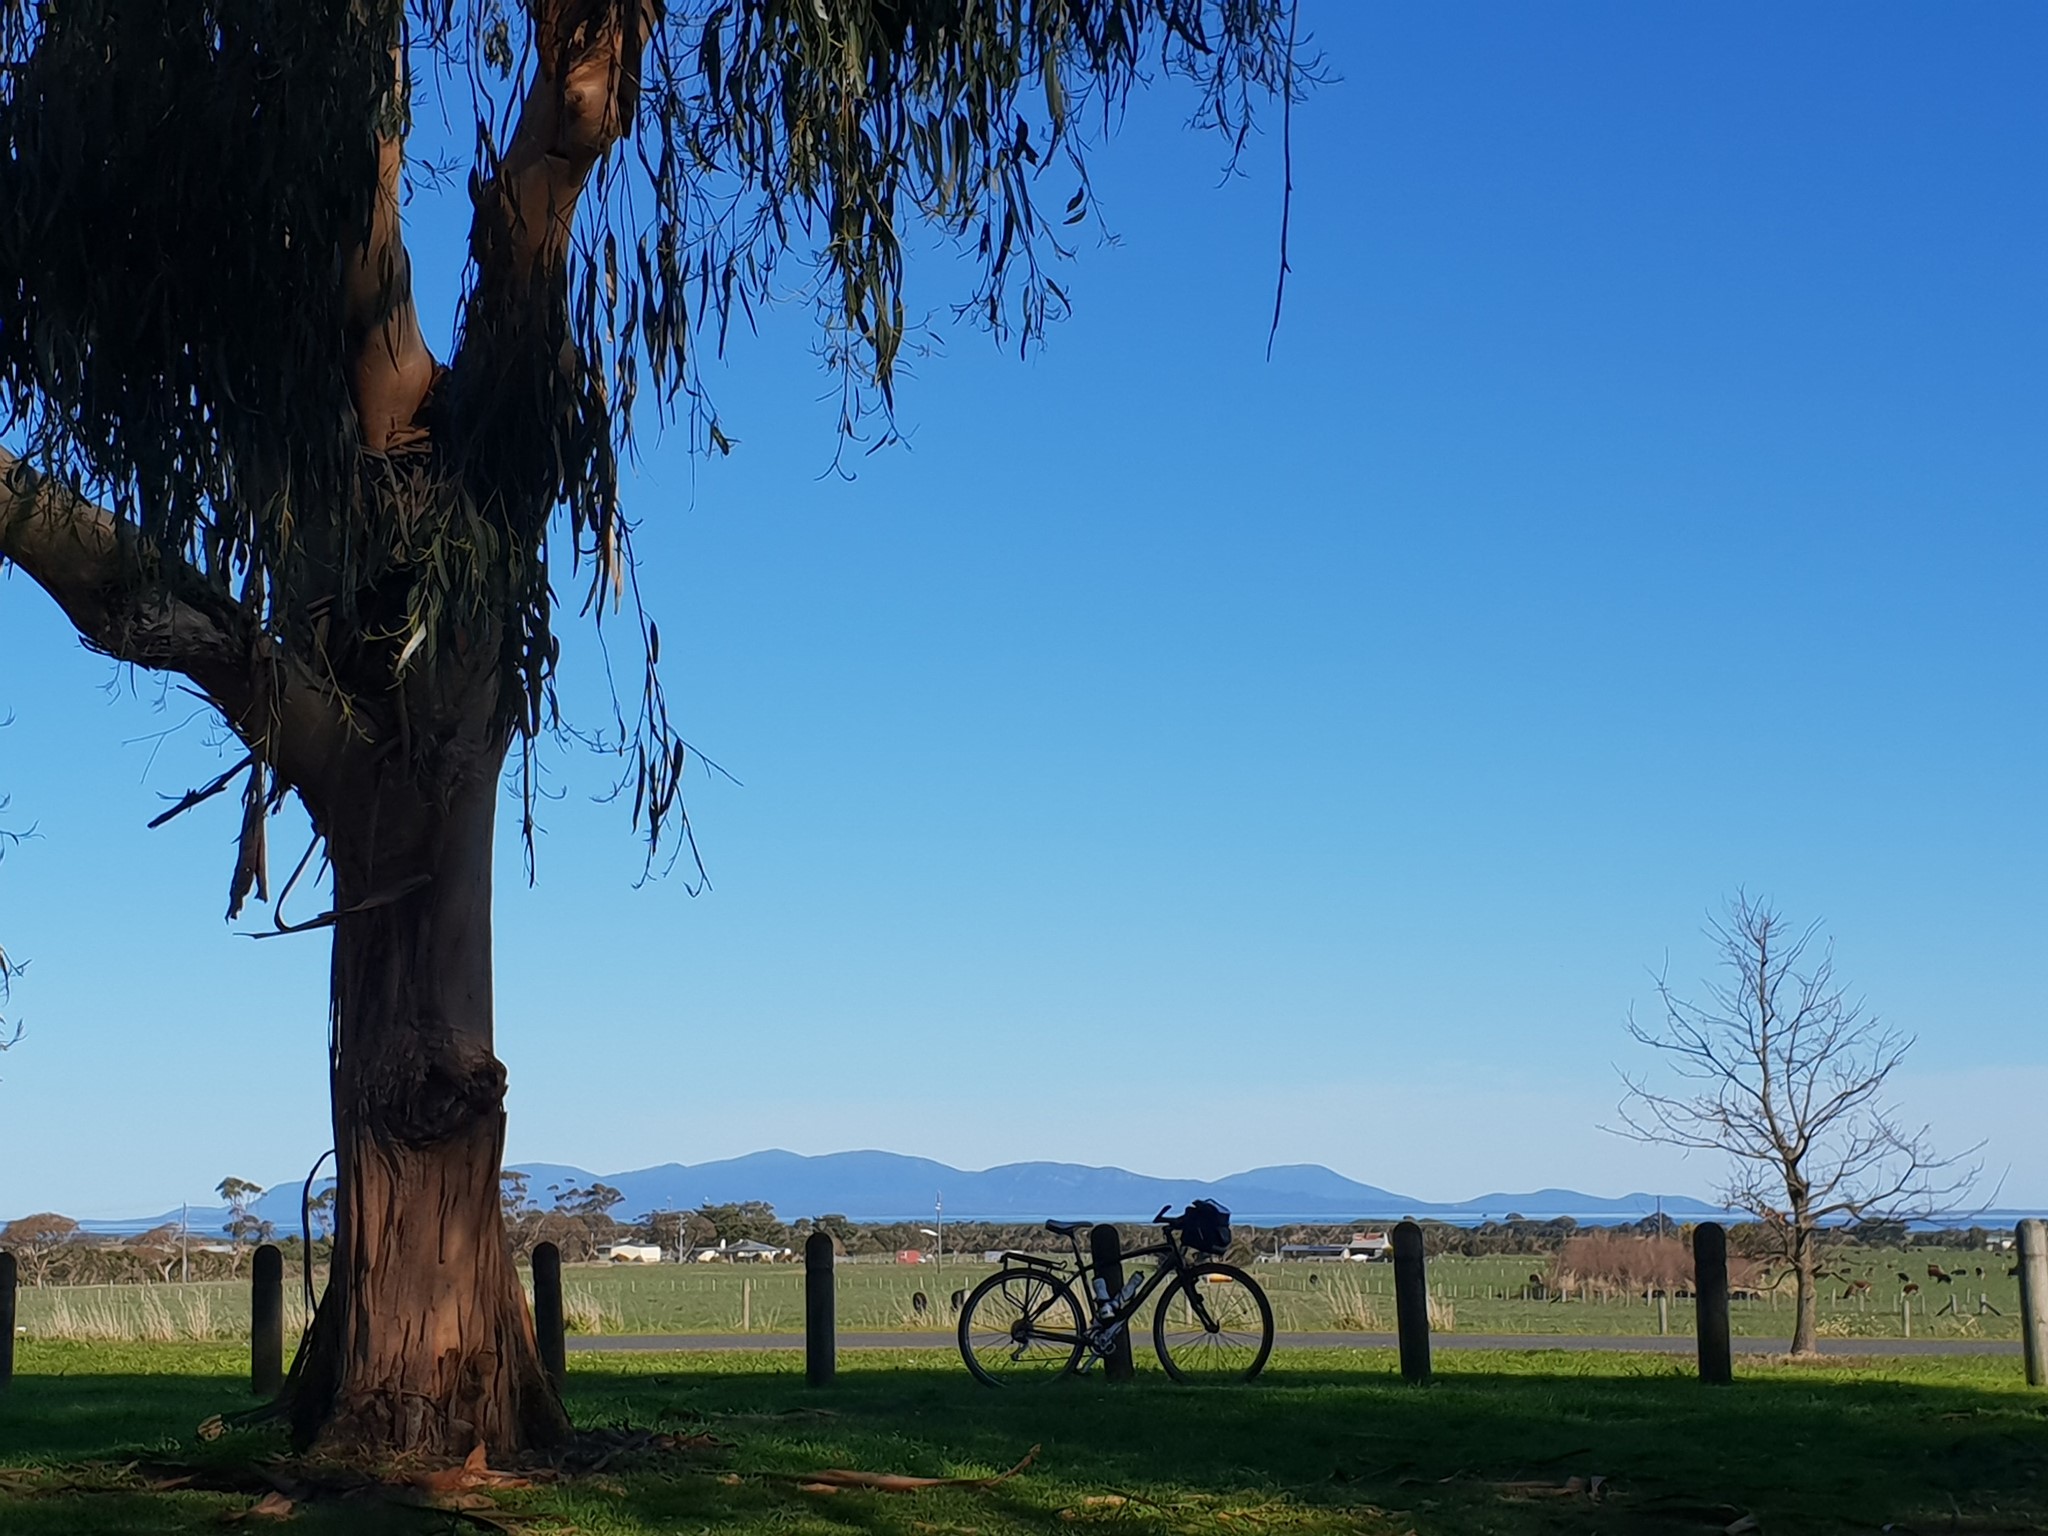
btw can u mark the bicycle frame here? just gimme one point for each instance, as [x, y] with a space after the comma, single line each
[1103, 1326]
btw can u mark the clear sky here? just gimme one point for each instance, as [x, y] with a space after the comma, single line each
[1187, 761]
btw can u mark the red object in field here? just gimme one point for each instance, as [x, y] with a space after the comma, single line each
[909, 1256]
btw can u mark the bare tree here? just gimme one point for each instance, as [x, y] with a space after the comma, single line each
[10, 1032]
[1785, 1073]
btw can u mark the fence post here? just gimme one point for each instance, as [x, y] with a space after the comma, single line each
[550, 1325]
[1106, 1249]
[821, 1323]
[1663, 1313]
[1411, 1301]
[266, 1321]
[8, 1278]
[1710, 1296]
[2033, 1237]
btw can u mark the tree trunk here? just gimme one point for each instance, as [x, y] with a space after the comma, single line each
[422, 1344]
[1805, 1261]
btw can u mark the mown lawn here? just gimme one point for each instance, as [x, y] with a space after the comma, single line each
[1327, 1443]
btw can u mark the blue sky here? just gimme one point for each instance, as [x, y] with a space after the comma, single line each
[1186, 761]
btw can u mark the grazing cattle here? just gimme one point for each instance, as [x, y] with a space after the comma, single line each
[1904, 1278]
[1856, 1288]
[1912, 1289]
[1936, 1272]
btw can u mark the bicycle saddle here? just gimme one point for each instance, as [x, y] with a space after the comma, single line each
[1063, 1228]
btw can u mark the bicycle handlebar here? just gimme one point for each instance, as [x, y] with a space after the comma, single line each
[1160, 1219]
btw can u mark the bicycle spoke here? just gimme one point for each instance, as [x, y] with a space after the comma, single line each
[1214, 1326]
[1021, 1327]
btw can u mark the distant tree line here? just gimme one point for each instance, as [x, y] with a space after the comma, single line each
[582, 1222]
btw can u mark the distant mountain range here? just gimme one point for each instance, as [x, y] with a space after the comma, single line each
[887, 1186]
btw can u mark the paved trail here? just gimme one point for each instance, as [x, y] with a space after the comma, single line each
[1673, 1345]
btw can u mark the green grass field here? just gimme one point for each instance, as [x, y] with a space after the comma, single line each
[1326, 1443]
[1475, 1296]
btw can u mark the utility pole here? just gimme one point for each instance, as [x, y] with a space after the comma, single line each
[185, 1244]
[939, 1221]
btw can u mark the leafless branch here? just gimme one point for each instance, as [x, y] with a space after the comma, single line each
[1784, 1073]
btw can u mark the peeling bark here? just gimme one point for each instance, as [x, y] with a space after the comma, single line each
[423, 1344]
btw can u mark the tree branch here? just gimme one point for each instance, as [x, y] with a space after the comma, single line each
[390, 369]
[131, 601]
[584, 92]
[123, 597]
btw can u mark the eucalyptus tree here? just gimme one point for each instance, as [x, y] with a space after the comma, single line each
[235, 458]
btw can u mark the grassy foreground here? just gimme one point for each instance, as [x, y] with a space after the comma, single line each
[1326, 1443]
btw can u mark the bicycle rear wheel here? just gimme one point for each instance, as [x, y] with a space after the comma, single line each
[1019, 1326]
[1214, 1324]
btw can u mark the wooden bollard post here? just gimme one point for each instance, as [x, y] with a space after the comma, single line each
[821, 1315]
[2033, 1237]
[1663, 1313]
[8, 1278]
[1411, 1301]
[1106, 1249]
[1710, 1294]
[550, 1324]
[266, 1321]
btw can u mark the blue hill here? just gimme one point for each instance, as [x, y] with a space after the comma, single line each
[887, 1186]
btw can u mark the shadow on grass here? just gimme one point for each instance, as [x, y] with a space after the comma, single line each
[1800, 1450]
[1307, 1450]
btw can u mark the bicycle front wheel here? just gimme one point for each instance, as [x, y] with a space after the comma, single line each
[1021, 1325]
[1214, 1324]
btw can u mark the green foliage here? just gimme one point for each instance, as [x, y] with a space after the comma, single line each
[180, 180]
[513, 1198]
[597, 1200]
[320, 1213]
[243, 1226]
[750, 1221]
[186, 182]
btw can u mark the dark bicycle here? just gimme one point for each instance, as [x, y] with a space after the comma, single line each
[1026, 1322]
